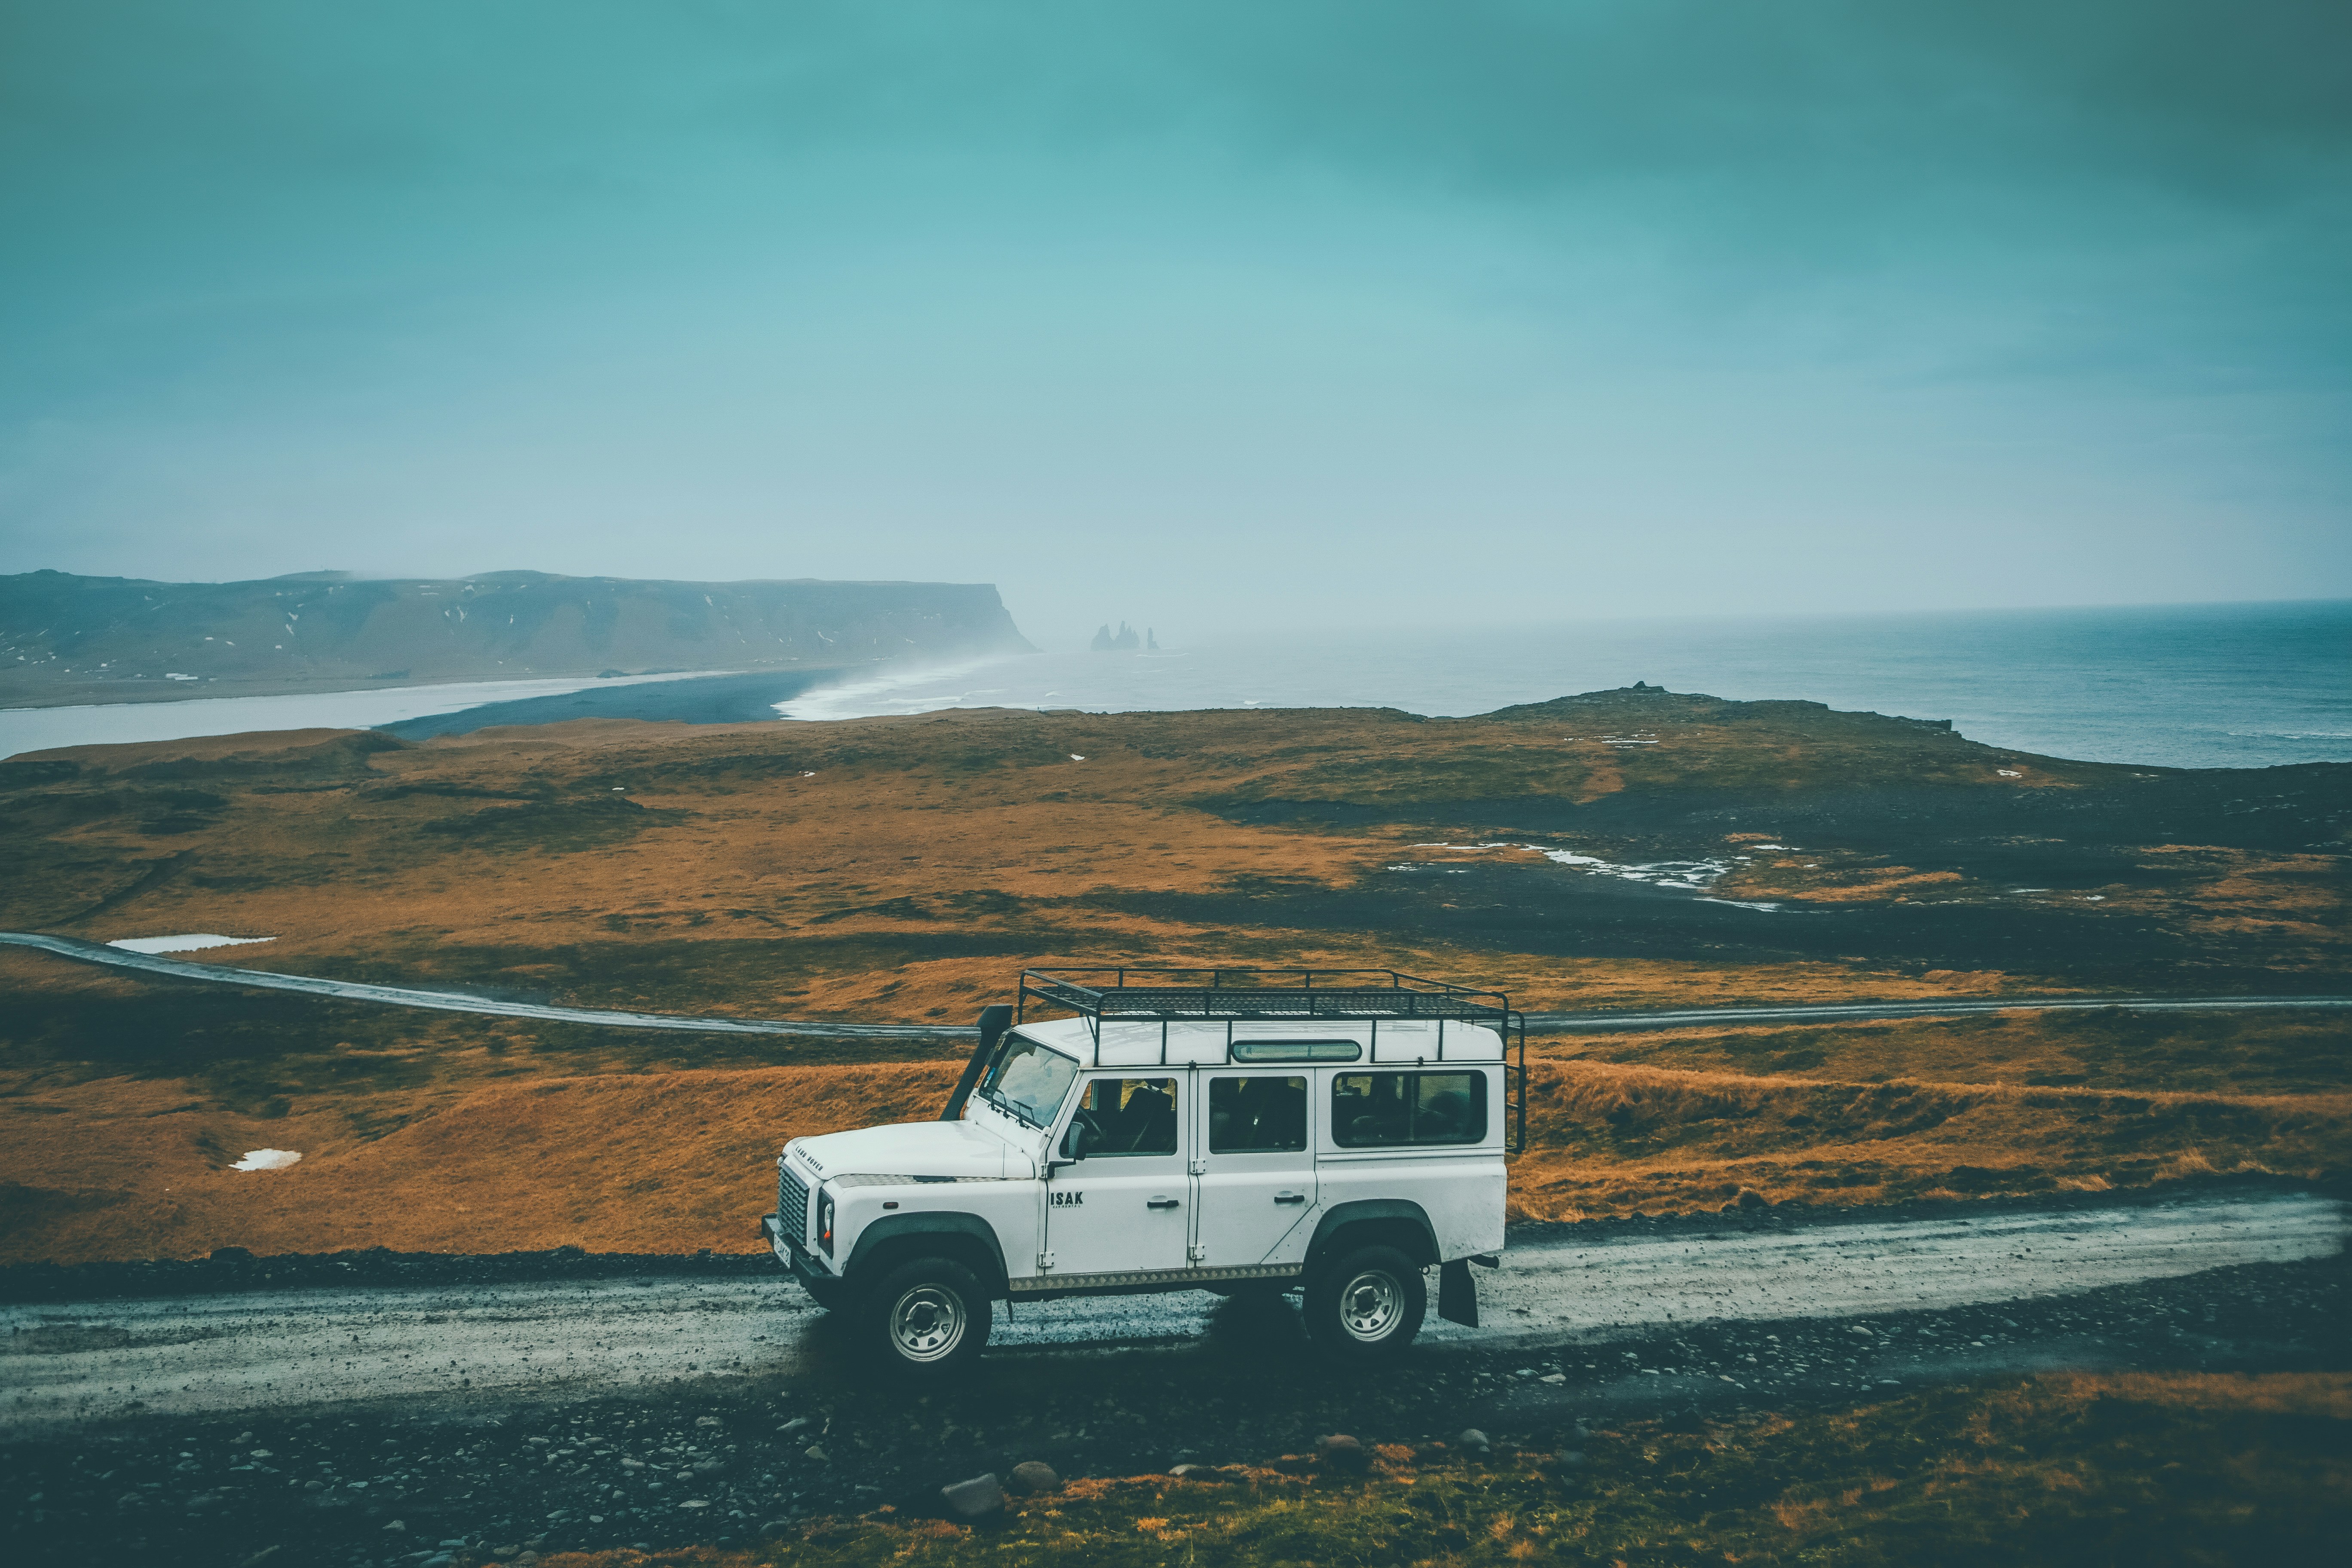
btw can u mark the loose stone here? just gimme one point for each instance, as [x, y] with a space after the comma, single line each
[979, 1497]
[1031, 1477]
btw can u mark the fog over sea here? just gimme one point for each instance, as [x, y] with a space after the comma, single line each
[2201, 686]
[2180, 685]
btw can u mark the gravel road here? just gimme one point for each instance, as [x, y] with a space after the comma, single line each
[386, 1426]
[277, 1350]
[155, 964]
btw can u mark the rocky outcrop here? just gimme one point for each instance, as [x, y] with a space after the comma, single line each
[1123, 641]
[64, 638]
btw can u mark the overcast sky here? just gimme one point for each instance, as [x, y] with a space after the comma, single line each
[1201, 312]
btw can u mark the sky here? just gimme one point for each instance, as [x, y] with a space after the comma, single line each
[1208, 314]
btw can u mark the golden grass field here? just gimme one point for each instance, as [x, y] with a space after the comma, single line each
[518, 1149]
[903, 870]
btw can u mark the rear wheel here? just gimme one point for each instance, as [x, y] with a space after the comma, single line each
[1365, 1304]
[928, 1317]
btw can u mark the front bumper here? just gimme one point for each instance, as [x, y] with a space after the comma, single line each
[789, 1254]
[824, 1288]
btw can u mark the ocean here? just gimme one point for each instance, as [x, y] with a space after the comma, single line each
[2193, 686]
[2175, 686]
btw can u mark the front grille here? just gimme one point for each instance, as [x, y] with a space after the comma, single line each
[792, 1206]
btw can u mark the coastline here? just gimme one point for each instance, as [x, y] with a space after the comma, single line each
[52, 728]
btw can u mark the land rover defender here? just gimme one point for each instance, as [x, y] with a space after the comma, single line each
[1336, 1133]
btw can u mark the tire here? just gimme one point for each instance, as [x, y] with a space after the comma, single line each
[1365, 1303]
[928, 1317]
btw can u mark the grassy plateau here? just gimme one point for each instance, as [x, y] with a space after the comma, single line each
[1617, 850]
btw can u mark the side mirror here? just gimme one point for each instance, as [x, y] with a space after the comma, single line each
[1073, 1143]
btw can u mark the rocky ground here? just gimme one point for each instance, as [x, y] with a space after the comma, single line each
[727, 1460]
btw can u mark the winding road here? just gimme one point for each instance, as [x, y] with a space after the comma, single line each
[87, 951]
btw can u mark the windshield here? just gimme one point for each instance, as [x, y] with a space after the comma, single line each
[1029, 1080]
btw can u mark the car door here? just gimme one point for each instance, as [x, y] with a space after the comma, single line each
[1125, 1207]
[1257, 1183]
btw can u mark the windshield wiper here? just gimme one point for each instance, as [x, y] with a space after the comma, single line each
[996, 1099]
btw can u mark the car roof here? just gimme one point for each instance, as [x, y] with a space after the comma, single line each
[1388, 1042]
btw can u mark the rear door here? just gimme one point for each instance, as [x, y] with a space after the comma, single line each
[1256, 1183]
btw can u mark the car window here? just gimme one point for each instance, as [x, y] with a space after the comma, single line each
[1372, 1110]
[1256, 1115]
[1030, 1081]
[1128, 1116]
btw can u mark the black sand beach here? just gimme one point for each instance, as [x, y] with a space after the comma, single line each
[705, 700]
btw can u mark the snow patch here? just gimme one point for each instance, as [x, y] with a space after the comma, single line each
[266, 1160]
[190, 942]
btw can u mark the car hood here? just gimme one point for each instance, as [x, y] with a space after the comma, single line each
[935, 1149]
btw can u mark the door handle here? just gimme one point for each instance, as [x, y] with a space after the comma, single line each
[1160, 1203]
[1290, 1197]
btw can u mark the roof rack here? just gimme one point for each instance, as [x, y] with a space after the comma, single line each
[1175, 996]
[1179, 995]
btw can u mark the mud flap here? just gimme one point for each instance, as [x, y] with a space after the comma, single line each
[1457, 1298]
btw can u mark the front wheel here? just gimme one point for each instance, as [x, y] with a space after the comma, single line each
[1365, 1304]
[928, 1317]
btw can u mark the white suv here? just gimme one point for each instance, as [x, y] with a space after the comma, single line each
[1229, 1130]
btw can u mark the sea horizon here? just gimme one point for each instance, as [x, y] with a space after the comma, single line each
[2250, 684]
[2244, 684]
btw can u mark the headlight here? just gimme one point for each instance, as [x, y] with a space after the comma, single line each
[824, 1221]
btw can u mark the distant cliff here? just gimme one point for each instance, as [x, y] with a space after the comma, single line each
[64, 638]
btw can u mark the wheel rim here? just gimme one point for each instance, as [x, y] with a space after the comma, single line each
[926, 1323]
[1371, 1305]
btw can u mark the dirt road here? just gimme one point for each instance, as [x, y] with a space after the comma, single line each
[299, 1349]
